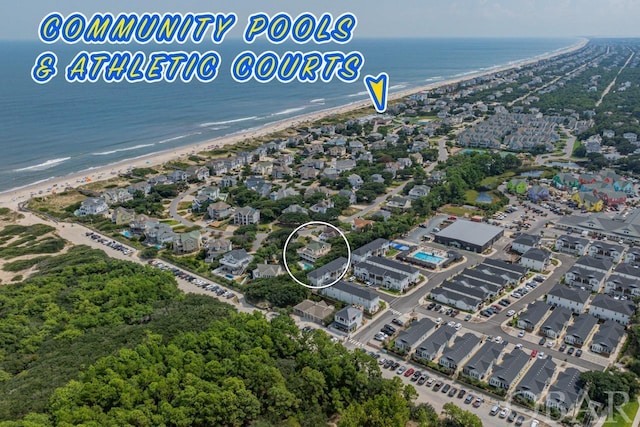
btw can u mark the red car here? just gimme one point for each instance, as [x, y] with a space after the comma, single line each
[409, 372]
[534, 353]
[452, 218]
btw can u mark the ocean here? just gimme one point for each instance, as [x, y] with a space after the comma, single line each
[60, 128]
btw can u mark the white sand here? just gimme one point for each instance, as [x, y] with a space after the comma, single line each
[12, 198]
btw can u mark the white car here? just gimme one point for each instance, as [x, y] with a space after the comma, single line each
[452, 324]
[519, 345]
[438, 320]
[458, 326]
[503, 413]
[550, 344]
[541, 355]
[498, 340]
[511, 313]
[520, 334]
[534, 423]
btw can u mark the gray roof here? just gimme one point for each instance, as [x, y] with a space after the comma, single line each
[535, 312]
[389, 263]
[618, 306]
[537, 254]
[417, 330]
[348, 312]
[574, 240]
[337, 264]
[461, 348]
[436, 340]
[536, 379]
[623, 281]
[511, 366]
[356, 290]
[475, 233]
[467, 299]
[479, 284]
[498, 272]
[370, 247]
[459, 287]
[566, 389]
[584, 273]
[557, 319]
[582, 326]
[485, 277]
[609, 335]
[628, 269]
[527, 240]
[380, 271]
[589, 261]
[238, 254]
[571, 294]
[484, 357]
[503, 265]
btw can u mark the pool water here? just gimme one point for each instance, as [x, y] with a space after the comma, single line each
[307, 266]
[127, 233]
[422, 256]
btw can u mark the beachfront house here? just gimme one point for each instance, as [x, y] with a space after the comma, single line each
[92, 206]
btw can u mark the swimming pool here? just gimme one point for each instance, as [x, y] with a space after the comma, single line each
[423, 256]
[306, 266]
[127, 233]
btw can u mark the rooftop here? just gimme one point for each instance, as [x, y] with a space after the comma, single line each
[475, 233]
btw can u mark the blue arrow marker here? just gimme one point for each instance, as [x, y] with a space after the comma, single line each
[378, 87]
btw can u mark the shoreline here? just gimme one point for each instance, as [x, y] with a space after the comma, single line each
[12, 197]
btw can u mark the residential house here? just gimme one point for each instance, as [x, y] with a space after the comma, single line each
[349, 195]
[382, 215]
[570, 298]
[480, 364]
[573, 245]
[378, 247]
[609, 308]
[565, 393]
[555, 323]
[524, 242]
[246, 216]
[116, 196]
[235, 262]
[328, 233]
[536, 259]
[348, 319]
[349, 293]
[586, 279]
[419, 191]
[328, 273]
[198, 173]
[217, 167]
[459, 352]
[408, 339]
[538, 193]
[219, 210]
[611, 251]
[565, 181]
[215, 247]
[355, 181]
[590, 263]
[622, 287]
[281, 172]
[537, 378]
[313, 311]
[578, 333]
[157, 233]
[295, 209]
[228, 181]
[588, 201]
[345, 165]
[282, 193]
[337, 151]
[313, 251]
[377, 178]
[92, 206]
[177, 176]
[158, 180]
[399, 202]
[607, 339]
[121, 216]
[267, 270]
[434, 344]
[517, 186]
[142, 187]
[461, 301]
[361, 224]
[384, 275]
[629, 271]
[262, 168]
[322, 206]
[186, 243]
[506, 372]
[529, 319]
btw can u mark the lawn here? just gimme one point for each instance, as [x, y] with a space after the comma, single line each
[618, 420]
[492, 182]
[458, 211]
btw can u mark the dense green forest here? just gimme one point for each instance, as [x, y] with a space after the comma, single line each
[95, 341]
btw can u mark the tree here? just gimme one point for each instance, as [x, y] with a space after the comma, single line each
[580, 151]
[457, 417]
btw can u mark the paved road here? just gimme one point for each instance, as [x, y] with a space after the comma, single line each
[173, 208]
[376, 203]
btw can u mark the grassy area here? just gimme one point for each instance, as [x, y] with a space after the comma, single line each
[57, 204]
[618, 420]
[492, 182]
[170, 222]
[576, 144]
[458, 211]
[392, 252]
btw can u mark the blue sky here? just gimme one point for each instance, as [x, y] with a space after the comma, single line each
[406, 18]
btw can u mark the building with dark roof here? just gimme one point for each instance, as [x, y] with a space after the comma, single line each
[407, 339]
[480, 364]
[329, 272]
[573, 245]
[609, 308]
[353, 294]
[578, 333]
[469, 235]
[573, 299]
[607, 339]
[431, 347]
[582, 278]
[536, 379]
[590, 263]
[524, 242]
[506, 372]
[534, 313]
[605, 250]
[555, 323]
[622, 286]
[536, 259]
[565, 393]
[454, 299]
[378, 247]
[462, 348]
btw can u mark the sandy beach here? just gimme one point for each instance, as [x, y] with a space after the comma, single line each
[12, 198]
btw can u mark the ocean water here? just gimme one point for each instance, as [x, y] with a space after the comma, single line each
[60, 128]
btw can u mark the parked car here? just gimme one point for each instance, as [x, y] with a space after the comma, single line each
[494, 410]
[519, 420]
[579, 353]
[446, 388]
[503, 413]
[437, 386]
[397, 322]
[423, 378]
[467, 317]
[431, 306]
[571, 350]
[478, 402]
[520, 334]
[461, 393]
[452, 392]
[409, 372]
[511, 313]
[534, 353]
[430, 381]
[469, 398]
[416, 375]
[542, 341]
[512, 416]
[401, 370]
[562, 348]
